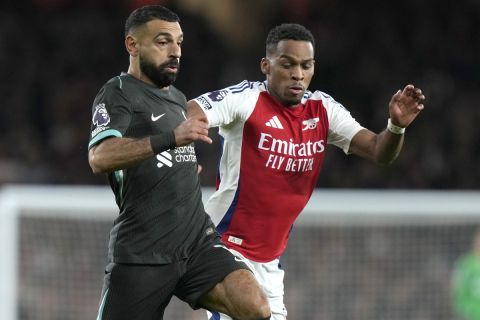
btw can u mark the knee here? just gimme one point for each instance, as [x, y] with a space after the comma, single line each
[240, 296]
[263, 311]
[256, 314]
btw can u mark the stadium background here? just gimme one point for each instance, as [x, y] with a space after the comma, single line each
[55, 55]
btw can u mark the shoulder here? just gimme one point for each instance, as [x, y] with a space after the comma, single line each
[242, 88]
[112, 93]
[178, 95]
[115, 85]
[327, 100]
[126, 84]
[247, 86]
[318, 95]
[234, 94]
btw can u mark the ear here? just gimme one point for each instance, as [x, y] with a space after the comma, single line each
[131, 45]
[265, 66]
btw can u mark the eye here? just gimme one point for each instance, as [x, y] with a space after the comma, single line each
[286, 65]
[307, 66]
[162, 42]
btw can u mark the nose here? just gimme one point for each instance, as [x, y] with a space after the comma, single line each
[297, 73]
[175, 51]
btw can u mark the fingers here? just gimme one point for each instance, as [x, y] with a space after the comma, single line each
[191, 130]
[414, 93]
[397, 95]
[204, 138]
[201, 129]
[405, 105]
[200, 118]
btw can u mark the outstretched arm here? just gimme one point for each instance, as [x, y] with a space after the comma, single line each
[119, 153]
[384, 147]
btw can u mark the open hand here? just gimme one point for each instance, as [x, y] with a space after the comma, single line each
[406, 105]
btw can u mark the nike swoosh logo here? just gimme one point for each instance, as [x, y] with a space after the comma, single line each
[157, 117]
[238, 259]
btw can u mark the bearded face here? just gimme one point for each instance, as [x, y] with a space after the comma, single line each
[161, 75]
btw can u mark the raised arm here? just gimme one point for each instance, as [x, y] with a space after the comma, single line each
[383, 148]
[119, 153]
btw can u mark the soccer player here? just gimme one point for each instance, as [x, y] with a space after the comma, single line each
[274, 135]
[466, 282]
[163, 243]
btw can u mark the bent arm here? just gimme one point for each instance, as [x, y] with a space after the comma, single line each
[384, 148]
[118, 153]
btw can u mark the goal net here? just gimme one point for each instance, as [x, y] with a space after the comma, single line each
[353, 254]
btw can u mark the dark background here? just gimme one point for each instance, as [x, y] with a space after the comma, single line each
[56, 54]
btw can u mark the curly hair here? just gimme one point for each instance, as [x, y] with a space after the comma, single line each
[287, 31]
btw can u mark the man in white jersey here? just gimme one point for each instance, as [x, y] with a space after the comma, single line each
[274, 136]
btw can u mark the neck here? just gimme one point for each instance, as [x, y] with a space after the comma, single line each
[135, 72]
[285, 104]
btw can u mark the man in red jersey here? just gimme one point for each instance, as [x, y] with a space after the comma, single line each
[274, 136]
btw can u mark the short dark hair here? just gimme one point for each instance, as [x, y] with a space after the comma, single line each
[287, 31]
[144, 14]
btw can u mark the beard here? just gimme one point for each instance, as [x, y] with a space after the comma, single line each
[158, 74]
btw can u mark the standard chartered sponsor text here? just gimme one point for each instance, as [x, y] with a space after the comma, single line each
[185, 154]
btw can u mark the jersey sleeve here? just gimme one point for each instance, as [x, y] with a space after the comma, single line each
[224, 106]
[342, 126]
[111, 114]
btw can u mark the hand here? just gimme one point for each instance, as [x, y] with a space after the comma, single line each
[406, 105]
[192, 129]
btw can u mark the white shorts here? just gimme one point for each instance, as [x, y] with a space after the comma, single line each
[270, 277]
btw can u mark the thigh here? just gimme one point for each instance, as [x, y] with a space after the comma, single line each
[137, 291]
[238, 295]
[270, 276]
[205, 269]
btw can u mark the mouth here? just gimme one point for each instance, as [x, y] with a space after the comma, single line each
[296, 89]
[172, 65]
[171, 68]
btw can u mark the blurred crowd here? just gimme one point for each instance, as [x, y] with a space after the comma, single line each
[369, 273]
[56, 54]
[332, 273]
